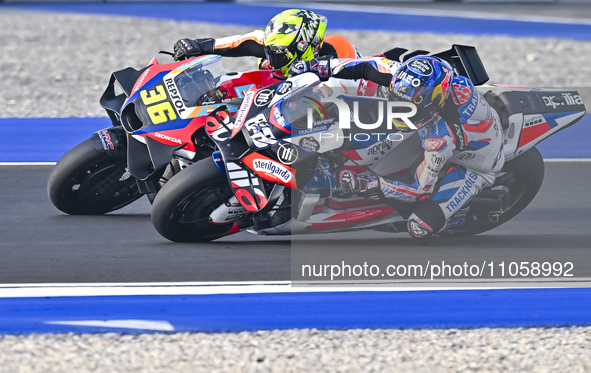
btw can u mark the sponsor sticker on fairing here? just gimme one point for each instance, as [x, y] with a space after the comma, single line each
[564, 99]
[455, 223]
[309, 144]
[278, 121]
[287, 154]
[382, 147]
[260, 132]
[272, 169]
[263, 97]
[106, 140]
[533, 120]
[140, 80]
[243, 110]
[167, 138]
[242, 90]
[174, 95]
[284, 88]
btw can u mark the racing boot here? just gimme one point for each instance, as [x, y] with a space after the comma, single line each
[350, 183]
[426, 221]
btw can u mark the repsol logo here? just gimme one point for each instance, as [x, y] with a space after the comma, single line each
[174, 95]
[167, 138]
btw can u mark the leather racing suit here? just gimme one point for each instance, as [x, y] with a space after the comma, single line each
[463, 149]
[251, 45]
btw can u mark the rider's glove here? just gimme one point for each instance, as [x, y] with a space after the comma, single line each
[350, 183]
[320, 67]
[264, 64]
[298, 67]
[186, 48]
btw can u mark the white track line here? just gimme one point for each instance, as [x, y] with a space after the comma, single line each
[27, 163]
[556, 160]
[157, 325]
[212, 288]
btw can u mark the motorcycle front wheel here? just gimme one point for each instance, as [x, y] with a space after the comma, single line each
[181, 210]
[86, 181]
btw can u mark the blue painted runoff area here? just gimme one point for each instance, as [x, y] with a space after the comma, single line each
[330, 310]
[258, 16]
[48, 139]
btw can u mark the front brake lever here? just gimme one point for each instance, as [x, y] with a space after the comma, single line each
[165, 52]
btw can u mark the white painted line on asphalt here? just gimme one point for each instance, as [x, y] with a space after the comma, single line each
[261, 287]
[430, 12]
[27, 163]
[556, 160]
[164, 326]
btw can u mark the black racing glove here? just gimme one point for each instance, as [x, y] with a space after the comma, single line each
[186, 48]
[320, 67]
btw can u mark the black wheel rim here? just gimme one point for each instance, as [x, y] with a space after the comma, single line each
[192, 215]
[104, 185]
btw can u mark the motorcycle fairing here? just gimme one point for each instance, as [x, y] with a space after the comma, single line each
[270, 169]
[144, 164]
[235, 85]
[530, 116]
[155, 72]
[108, 140]
[113, 102]
[248, 188]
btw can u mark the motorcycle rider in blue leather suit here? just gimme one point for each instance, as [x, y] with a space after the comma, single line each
[460, 133]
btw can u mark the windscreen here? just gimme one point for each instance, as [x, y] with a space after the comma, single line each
[199, 79]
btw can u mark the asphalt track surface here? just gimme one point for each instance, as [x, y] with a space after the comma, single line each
[39, 244]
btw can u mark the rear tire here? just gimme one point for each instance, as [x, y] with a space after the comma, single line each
[528, 170]
[181, 210]
[86, 181]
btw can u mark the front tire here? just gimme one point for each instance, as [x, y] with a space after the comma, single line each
[86, 181]
[181, 210]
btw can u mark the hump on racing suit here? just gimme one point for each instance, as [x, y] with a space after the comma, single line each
[463, 149]
[343, 47]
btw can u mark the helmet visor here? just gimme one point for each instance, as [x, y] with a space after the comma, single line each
[279, 59]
